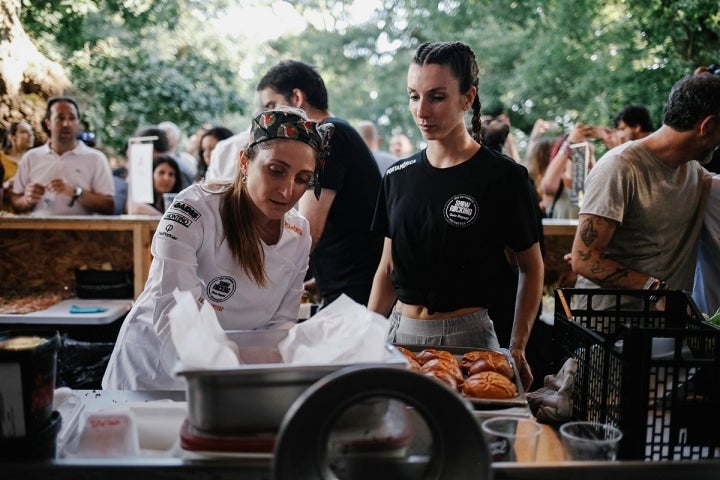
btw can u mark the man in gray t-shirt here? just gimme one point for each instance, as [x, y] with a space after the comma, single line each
[642, 211]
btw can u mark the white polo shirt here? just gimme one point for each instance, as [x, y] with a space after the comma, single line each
[82, 166]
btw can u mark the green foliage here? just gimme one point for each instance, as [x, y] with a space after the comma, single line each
[67, 20]
[571, 61]
[126, 89]
[138, 62]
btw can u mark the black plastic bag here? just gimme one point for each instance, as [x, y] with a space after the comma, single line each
[81, 365]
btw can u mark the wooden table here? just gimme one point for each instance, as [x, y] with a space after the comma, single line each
[549, 449]
[558, 236]
[41, 252]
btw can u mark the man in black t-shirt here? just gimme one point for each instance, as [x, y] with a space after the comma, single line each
[345, 253]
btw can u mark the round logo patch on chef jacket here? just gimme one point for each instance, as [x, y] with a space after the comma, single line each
[221, 288]
[461, 210]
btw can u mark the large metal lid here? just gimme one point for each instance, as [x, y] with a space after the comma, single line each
[458, 447]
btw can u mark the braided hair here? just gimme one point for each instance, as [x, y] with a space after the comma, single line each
[461, 60]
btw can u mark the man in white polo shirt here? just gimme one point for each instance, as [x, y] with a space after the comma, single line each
[64, 176]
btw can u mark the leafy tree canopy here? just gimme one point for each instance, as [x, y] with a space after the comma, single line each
[555, 59]
[139, 62]
[142, 61]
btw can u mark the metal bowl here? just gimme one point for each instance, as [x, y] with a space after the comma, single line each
[254, 398]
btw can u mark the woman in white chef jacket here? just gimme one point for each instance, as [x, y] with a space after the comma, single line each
[239, 245]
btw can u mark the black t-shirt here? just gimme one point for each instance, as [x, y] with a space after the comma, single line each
[714, 165]
[449, 227]
[347, 255]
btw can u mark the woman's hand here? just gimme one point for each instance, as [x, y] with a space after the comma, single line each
[541, 126]
[526, 376]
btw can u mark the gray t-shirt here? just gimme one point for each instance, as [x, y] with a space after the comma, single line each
[659, 210]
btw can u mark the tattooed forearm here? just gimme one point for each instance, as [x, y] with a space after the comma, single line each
[584, 255]
[617, 274]
[588, 233]
[590, 259]
[591, 227]
[597, 268]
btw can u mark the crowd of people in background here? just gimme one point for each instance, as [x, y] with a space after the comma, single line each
[390, 228]
[19, 139]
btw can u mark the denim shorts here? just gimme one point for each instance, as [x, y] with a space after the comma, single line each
[474, 330]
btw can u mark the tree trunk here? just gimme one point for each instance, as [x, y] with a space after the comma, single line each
[27, 77]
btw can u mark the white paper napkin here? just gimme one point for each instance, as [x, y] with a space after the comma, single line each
[199, 340]
[342, 332]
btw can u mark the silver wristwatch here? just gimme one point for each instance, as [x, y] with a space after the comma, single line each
[76, 195]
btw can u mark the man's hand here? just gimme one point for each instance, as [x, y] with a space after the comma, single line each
[32, 195]
[59, 186]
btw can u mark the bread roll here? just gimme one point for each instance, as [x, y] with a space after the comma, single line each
[410, 356]
[489, 385]
[444, 376]
[412, 363]
[486, 361]
[431, 353]
[451, 368]
[491, 365]
[471, 357]
[405, 352]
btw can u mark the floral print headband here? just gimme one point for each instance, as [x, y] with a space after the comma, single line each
[276, 124]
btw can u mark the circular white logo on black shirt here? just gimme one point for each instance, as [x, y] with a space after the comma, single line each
[221, 288]
[461, 210]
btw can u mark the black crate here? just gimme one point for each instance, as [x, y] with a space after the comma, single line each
[666, 401]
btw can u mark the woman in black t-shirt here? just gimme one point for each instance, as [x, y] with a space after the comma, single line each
[450, 215]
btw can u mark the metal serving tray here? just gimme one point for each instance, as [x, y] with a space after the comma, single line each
[255, 397]
[482, 403]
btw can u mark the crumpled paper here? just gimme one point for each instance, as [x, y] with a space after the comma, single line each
[552, 403]
[342, 332]
[199, 340]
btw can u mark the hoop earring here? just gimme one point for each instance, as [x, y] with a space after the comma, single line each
[244, 179]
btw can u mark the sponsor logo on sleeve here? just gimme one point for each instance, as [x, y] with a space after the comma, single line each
[178, 218]
[461, 210]
[166, 232]
[221, 288]
[404, 164]
[188, 209]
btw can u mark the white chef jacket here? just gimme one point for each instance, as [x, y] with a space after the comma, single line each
[190, 254]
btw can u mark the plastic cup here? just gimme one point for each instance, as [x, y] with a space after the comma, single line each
[168, 199]
[28, 364]
[590, 441]
[512, 439]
